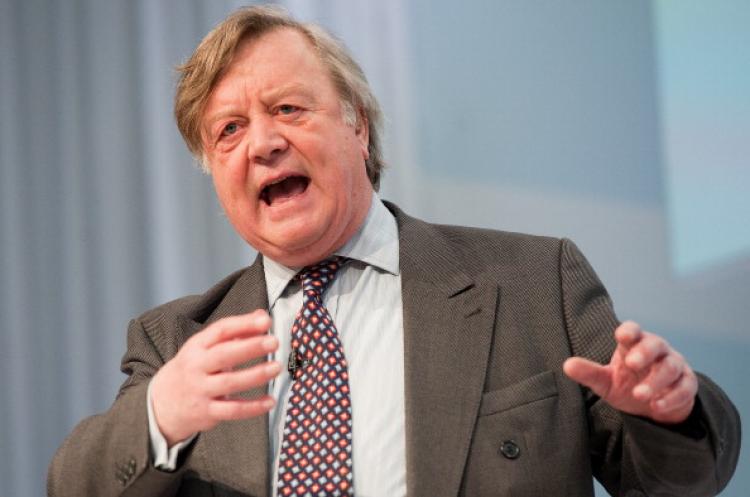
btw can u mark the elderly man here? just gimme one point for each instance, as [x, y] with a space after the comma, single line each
[369, 353]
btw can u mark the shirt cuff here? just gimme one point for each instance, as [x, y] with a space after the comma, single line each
[164, 457]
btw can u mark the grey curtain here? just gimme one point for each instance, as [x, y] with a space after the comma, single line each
[104, 213]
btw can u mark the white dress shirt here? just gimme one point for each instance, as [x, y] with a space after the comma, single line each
[365, 303]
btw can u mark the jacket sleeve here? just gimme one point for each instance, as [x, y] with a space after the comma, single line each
[633, 456]
[108, 454]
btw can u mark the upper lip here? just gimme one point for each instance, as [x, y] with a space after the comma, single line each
[277, 178]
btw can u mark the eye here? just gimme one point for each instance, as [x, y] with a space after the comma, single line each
[229, 129]
[286, 109]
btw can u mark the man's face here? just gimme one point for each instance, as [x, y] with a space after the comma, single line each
[287, 168]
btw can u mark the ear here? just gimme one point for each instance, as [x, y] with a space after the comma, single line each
[362, 130]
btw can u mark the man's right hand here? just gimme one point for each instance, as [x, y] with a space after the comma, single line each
[193, 391]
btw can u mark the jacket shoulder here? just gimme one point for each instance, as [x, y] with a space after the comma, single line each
[479, 250]
[508, 240]
[493, 248]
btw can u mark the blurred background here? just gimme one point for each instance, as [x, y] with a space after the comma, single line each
[623, 125]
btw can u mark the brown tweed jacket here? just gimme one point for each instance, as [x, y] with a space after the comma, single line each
[489, 318]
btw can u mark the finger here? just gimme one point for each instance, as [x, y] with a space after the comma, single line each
[226, 410]
[677, 399]
[226, 355]
[628, 334]
[649, 349]
[590, 374]
[664, 373]
[255, 323]
[232, 382]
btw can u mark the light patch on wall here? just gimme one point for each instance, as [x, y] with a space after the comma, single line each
[704, 84]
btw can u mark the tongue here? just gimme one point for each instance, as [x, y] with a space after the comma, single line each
[286, 189]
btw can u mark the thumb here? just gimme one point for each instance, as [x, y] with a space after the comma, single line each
[589, 374]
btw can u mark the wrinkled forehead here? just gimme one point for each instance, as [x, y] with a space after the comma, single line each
[272, 42]
[281, 57]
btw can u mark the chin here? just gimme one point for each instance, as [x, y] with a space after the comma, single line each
[299, 249]
[295, 259]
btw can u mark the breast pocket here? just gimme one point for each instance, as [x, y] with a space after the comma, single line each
[514, 438]
[538, 387]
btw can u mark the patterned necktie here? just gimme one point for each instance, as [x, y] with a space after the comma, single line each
[316, 452]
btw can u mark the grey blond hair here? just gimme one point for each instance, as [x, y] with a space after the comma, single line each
[202, 71]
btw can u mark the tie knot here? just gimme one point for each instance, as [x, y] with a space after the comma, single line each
[318, 277]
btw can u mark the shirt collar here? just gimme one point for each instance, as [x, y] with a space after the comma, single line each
[375, 244]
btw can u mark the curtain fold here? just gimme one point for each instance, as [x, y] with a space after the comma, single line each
[104, 212]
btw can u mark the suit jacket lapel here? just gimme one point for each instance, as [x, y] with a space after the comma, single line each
[245, 442]
[448, 323]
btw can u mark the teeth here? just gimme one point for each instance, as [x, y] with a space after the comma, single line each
[276, 181]
[264, 192]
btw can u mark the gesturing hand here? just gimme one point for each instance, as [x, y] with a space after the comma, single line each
[192, 392]
[644, 377]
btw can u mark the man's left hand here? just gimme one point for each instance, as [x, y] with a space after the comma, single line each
[645, 376]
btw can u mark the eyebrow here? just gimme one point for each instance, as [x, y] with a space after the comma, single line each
[272, 94]
[284, 91]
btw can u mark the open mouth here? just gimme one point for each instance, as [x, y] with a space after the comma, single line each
[284, 189]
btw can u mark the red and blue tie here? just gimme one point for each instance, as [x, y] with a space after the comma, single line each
[316, 451]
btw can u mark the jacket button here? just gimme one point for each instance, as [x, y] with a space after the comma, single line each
[510, 449]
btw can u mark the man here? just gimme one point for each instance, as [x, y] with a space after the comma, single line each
[438, 360]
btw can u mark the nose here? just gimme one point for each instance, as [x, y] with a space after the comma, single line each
[266, 141]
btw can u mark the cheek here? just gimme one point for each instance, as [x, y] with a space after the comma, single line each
[230, 175]
[226, 189]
